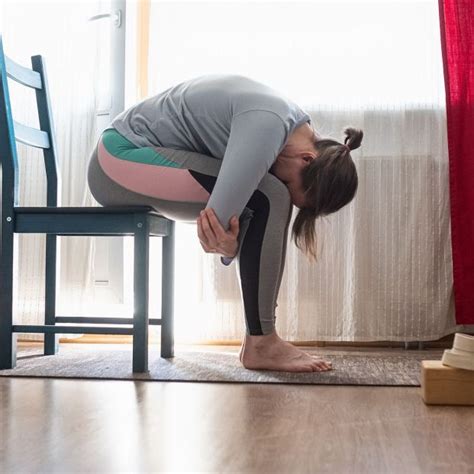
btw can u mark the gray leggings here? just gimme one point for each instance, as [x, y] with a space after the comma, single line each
[263, 228]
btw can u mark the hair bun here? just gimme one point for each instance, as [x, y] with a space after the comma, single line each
[353, 137]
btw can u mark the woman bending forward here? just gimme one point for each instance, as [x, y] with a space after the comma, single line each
[233, 155]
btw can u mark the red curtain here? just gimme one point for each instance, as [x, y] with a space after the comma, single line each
[457, 44]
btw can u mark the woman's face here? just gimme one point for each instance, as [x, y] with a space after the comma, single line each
[289, 169]
[297, 154]
[297, 192]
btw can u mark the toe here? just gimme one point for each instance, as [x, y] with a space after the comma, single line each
[326, 365]
[319, 365]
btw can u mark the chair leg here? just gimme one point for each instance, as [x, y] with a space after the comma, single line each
[8, 339]
[51, 340]
[167, 294]
[140, 294]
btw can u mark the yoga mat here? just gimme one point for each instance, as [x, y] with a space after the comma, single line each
[382, 367]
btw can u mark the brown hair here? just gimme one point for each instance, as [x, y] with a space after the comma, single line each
[330, 182]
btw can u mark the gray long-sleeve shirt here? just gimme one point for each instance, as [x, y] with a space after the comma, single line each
[229, 117]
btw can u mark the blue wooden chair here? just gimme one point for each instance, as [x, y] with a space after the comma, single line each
[139, 221]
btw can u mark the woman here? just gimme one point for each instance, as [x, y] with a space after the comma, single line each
[233, 155]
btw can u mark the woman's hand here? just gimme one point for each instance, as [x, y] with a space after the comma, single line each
[213, 237]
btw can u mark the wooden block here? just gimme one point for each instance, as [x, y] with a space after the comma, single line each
[443, 385]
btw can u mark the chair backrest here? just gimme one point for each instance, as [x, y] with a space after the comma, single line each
[11, 131]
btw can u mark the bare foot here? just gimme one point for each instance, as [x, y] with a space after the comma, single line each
[270, 352]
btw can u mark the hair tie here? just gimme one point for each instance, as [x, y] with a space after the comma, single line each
[348, 149]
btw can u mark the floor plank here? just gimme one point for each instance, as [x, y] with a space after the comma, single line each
[57, 425]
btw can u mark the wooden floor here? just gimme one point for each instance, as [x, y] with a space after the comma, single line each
[57, 425]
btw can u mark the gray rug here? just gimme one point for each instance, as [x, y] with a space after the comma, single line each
[383, 367]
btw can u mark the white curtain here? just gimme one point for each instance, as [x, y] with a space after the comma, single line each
[385, 260]
[59, 31]
[384, 271]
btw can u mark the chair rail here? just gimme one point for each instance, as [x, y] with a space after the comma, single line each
[101, 320]
[31, 136]
[23, 75]
[49, 328]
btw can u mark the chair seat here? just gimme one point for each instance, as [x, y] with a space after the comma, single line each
[106, 220]
[89, 210]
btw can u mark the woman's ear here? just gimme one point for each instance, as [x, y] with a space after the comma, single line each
[307, 157]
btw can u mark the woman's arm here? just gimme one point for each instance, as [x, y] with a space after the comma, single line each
[213, 237]
[256, 138]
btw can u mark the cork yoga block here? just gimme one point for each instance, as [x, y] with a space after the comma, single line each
[443, 385]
